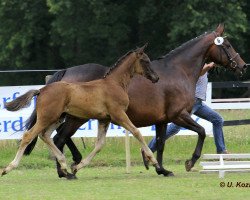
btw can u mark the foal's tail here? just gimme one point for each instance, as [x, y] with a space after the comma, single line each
[22, 101]
[32, 120]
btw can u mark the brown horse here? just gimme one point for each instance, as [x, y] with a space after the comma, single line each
[104, 99]
[171, 99]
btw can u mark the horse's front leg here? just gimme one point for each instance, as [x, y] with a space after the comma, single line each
[160, 143]
[102, 130]
[186, 121]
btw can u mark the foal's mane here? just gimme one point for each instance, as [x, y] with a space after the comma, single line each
[184, 46]
[118, 63]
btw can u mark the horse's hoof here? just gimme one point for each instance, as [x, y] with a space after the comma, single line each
[61, 174]
[3, 173]
[169, 174]
[145, 159]
[165, 173]
[70, 176]
[188, 165]
[73, 169]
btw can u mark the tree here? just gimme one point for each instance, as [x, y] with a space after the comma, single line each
[23, 34]
[59, 34]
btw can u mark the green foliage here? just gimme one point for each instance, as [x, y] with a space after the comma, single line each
[58, 34]
[197, 17]
[88, 31]
[23, 34]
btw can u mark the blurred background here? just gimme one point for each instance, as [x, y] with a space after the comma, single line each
[57, 34]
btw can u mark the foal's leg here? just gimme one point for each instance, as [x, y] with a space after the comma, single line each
[186, 121]
[121, 118]
[27, 138]
[64, 133]
[102, 130]
[58, 154]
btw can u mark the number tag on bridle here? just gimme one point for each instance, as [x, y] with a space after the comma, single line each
[218, 41]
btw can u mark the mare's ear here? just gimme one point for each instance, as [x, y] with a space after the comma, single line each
[220, 29]
[140, 50]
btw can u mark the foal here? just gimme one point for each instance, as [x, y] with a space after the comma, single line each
[104, 99]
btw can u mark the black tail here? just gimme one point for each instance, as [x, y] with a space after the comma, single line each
[56, 76]
[32, 120]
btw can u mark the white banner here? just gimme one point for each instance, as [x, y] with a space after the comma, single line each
[12, 123]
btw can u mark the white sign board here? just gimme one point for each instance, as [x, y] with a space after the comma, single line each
[12, 123]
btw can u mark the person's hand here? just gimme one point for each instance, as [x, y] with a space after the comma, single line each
[209, 65]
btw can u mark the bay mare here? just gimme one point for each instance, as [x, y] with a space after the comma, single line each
[169, 100]
[105, 99]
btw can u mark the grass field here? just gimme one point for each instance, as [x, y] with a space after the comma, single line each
[114, 183]
[105, 178]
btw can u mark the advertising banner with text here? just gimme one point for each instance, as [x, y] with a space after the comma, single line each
[12, 124]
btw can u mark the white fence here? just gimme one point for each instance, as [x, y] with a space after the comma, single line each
[239, 103]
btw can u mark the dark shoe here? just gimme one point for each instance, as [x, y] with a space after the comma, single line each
[223, 152]
[145, 159]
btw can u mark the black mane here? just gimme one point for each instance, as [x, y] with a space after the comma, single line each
[118, 62]
[183, 46]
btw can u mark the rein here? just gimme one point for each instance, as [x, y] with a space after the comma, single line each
[231, 59]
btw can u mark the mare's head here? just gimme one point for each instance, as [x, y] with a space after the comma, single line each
[142, 65]
[223, 53]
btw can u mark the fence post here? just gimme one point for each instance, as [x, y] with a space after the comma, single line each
[127, 148]
[209, 94]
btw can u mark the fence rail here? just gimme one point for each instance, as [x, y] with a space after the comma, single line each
[231, 103]
[227, 103]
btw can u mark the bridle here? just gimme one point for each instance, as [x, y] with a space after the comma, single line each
[233, 63]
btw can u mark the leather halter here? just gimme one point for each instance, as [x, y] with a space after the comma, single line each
[233, 63]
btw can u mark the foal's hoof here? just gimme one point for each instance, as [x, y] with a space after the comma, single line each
[145, 159]
[164, 172]
[73, 169]
[70, 176]
[188, 165]
[3, 172]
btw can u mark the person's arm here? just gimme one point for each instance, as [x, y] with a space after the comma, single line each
[207, 67]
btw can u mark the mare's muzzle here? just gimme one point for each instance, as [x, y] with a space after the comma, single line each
[240, 71]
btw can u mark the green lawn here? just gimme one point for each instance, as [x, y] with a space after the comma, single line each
[113, 183]
[105, 178]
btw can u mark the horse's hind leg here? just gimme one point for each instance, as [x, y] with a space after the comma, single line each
[121, 118]
[64, 133]
[102, 130]
[45, 136]
[186, 121]
[27, 138]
